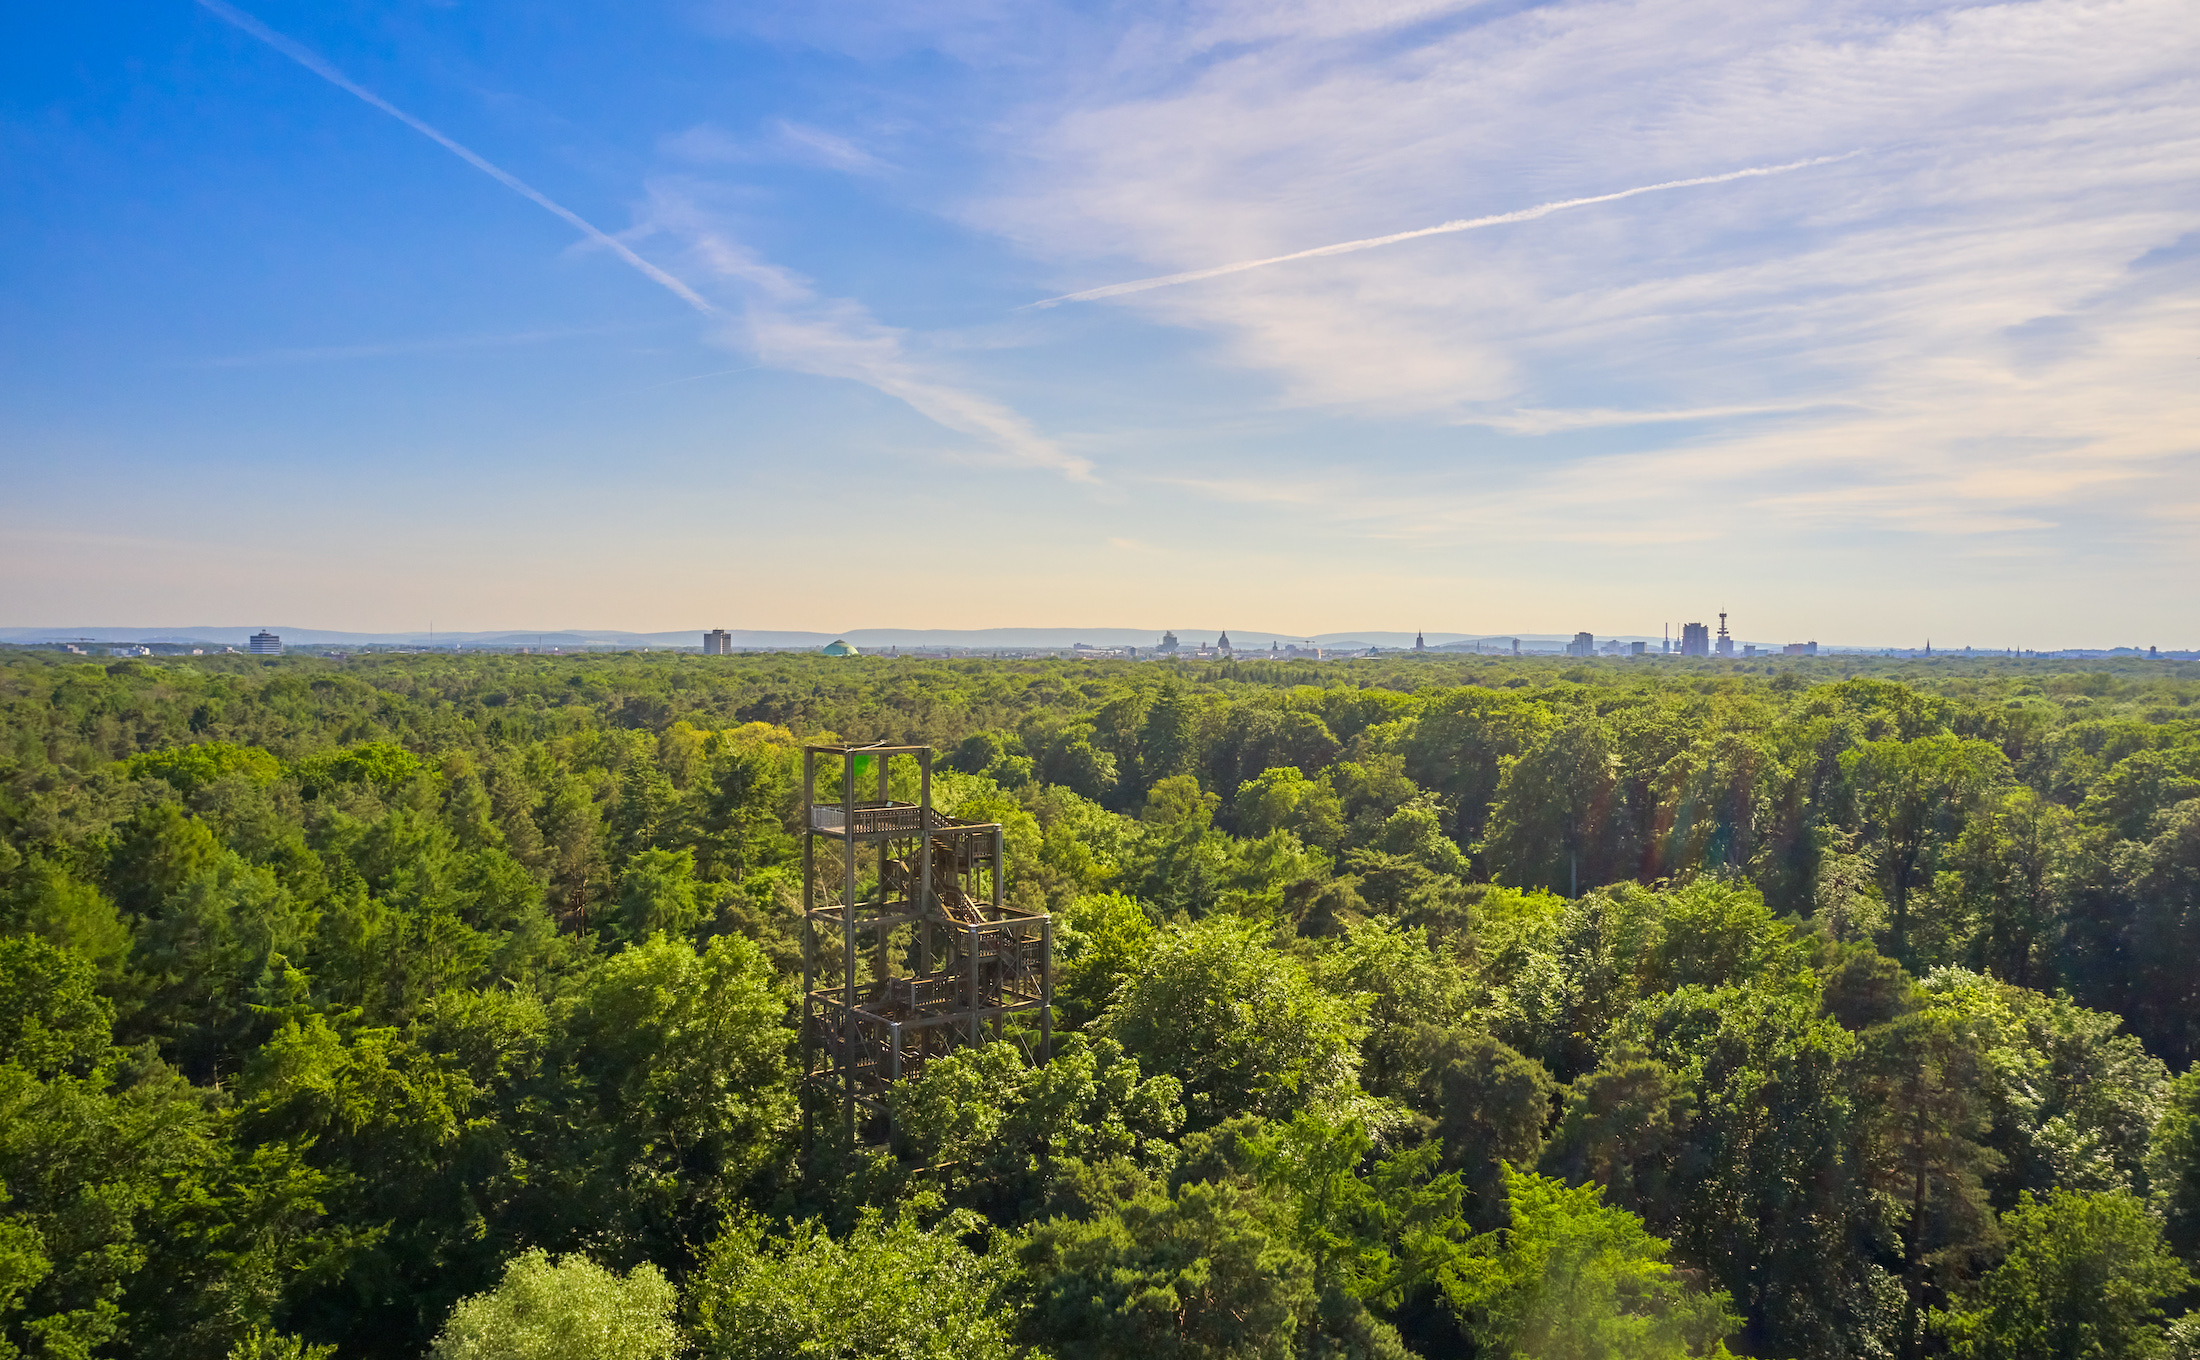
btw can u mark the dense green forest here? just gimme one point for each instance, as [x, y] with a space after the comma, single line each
[1464, 1006]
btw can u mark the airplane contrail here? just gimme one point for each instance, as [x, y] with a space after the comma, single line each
[307, 58]
[1440, 229]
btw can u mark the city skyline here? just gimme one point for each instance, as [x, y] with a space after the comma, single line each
[1247, 641]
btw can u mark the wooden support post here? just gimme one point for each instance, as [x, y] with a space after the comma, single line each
[1046, 990]
[924, 854]
[848, 944]
[809, 920]
[883, 971]
[976, 968]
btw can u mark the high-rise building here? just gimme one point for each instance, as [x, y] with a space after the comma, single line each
[1695, 639]
[265, 643]
[1584, 644]
[1726, 644]
[1168, 645]
[1638, 649]
[1800, 649]
[718, 642]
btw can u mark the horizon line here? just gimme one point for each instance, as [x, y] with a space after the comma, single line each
[797, 638]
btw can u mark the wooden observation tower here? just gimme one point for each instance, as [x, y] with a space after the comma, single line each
[907, 949]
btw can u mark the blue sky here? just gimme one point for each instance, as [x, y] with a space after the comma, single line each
[269, 353]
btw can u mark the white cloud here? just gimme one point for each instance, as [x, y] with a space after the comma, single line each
[1451, 228]
[827, 148]
[1944, 337]
[782, 140]
[787, 325]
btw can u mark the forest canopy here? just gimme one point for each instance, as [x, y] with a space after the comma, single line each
[1489, 1007]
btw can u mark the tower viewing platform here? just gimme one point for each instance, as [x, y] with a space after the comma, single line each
[908, 950]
